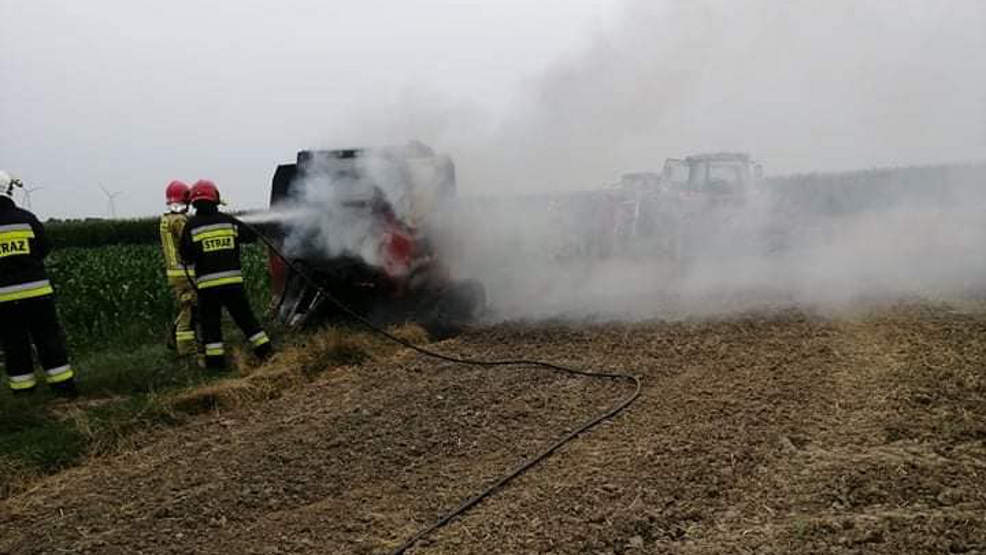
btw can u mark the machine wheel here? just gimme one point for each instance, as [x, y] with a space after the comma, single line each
[459, 305]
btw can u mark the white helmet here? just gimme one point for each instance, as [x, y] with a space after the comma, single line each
[7, 184]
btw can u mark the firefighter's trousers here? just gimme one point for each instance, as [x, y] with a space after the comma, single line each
[233, 297]
[33, 321]
[184, 324]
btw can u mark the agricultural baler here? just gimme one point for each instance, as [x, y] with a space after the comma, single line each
[356, 225]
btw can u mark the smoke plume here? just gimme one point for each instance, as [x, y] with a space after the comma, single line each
[813, 90]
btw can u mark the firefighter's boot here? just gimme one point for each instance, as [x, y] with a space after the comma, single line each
[262, 348]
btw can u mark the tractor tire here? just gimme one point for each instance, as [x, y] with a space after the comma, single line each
[459, 305]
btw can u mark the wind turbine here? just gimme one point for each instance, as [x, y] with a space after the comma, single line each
[110, 200]
[26, 195]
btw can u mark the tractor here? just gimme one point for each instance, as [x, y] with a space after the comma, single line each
[689, 207]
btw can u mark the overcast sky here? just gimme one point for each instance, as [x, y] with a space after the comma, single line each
[524, 94]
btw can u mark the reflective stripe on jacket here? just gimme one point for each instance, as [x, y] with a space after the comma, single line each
[219, 278]
[13, 232]
[211, 242]
[171, 227]
[23, 248]
[25, 291]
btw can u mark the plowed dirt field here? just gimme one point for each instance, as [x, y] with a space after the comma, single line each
[771, 433]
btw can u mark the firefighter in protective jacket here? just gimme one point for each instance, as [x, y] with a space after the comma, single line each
[27, 305]
[211, 242]
[180, 277]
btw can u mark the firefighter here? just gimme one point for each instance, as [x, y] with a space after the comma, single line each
[211, 242]
[180, 277]
[27, 304]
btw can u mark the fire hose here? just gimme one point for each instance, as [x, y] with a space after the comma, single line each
[520, 469]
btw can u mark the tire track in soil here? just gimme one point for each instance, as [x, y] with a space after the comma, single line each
[767, 433]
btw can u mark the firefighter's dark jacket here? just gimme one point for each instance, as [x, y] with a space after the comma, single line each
[23, 248]
[211, 244]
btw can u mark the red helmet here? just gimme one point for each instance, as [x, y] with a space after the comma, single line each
[204, 190]
[176, 193]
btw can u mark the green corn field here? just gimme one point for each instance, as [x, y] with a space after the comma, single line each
[112, 295]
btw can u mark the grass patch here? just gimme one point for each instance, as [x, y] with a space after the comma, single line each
[143, 369]
[126, 391]
[33, 444]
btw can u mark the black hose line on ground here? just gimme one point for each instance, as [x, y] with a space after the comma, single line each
[520, 469]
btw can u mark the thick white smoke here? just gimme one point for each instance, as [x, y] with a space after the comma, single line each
[802, 85]
[349, 206]
[825, 242]
[331, 214]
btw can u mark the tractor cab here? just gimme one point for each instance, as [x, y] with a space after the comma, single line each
[722, 173]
